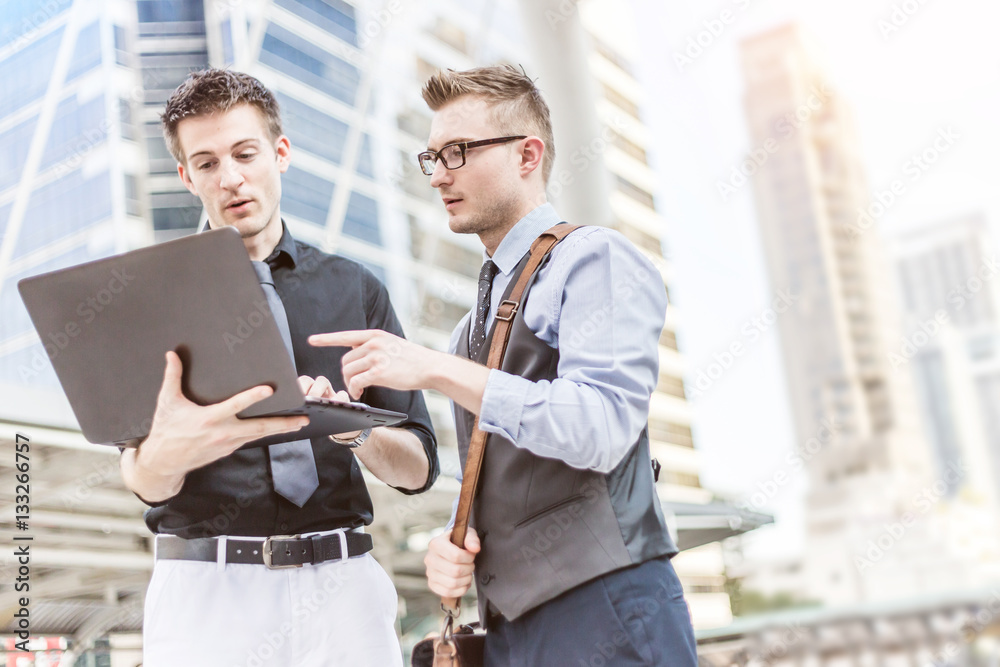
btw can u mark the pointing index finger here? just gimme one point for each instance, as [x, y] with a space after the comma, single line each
[341, 339]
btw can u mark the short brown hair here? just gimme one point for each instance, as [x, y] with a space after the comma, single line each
[516, 104]
[213, 91]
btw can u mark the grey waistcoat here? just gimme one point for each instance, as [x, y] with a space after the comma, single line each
[546, 527]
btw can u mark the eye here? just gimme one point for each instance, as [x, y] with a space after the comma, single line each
[204, 166]
[245, 156]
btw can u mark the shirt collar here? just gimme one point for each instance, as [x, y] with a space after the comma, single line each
[285, 250]
[520, 237]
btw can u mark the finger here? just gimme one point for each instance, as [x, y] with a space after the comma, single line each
[472, 541]
[445, 551]
[261, 427]
[342, 396]
[448, 568]
[343, 338]
[321, 387]
[354, 354]
[444, 589]
[243, 400]
[359, 383]
[356, 368]
[304, 383]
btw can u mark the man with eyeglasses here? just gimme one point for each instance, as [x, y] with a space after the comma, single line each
[569, 549]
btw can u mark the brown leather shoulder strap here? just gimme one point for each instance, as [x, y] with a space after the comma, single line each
[506, 311]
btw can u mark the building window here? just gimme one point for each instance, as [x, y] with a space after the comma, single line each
[620, 101]
[662, 430]
[290, 54]
[28, 72]
[305, 195]
[361, 220]
[170, 11]
[671, 385]
[635, 192]
[312, 130]
[668, 338]
[336, 18]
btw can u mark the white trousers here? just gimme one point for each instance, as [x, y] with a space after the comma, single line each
[334, 613]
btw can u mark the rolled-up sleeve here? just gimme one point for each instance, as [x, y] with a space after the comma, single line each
[602, 303]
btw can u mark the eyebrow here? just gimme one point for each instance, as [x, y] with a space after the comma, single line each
[449, 143]
[238, 143]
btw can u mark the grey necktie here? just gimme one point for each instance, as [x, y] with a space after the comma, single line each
[293, 466]
[486, 275]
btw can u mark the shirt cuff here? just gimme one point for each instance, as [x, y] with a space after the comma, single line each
[503, 403]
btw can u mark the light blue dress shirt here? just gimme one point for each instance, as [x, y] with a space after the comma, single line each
[602, 304]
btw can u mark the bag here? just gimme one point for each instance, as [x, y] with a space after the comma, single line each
[465, 646]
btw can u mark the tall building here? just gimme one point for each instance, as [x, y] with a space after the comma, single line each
[875, 520]
[947, 275]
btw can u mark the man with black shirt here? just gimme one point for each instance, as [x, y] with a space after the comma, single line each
[220, 512]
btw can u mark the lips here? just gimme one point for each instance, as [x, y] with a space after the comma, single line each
[450, 202]
[238, 205]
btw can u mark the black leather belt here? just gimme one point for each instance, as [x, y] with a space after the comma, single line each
[273, 552]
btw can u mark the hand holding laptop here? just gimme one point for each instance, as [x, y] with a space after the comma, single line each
[186, 436]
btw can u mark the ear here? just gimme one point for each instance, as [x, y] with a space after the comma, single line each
[531, 155]
[186, 179]
[283, 151]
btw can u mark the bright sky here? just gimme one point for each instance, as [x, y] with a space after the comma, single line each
[940, 69]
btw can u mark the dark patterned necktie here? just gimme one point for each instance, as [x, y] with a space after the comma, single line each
[293, 466]
[486, 275]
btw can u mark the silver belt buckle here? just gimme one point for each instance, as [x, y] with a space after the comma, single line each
[267, 552]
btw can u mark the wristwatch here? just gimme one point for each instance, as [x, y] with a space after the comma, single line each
[356, 441]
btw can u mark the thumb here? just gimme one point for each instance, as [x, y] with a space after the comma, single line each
[171, 386]
[472, 541]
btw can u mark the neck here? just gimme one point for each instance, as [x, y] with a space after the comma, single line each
[492, 238]
[260, 245]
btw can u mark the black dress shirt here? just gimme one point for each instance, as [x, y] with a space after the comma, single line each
[234, 495]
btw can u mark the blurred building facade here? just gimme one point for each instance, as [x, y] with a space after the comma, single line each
[947, 274]
[88, 175]
[879, 524]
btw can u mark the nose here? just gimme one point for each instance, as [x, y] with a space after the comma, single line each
[441, 176]
[230, 177]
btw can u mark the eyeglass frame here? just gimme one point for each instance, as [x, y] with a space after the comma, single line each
[463, 146]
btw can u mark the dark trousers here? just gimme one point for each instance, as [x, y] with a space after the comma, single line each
[635, 616]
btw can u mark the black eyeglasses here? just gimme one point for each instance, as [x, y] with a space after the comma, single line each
[452, 156]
